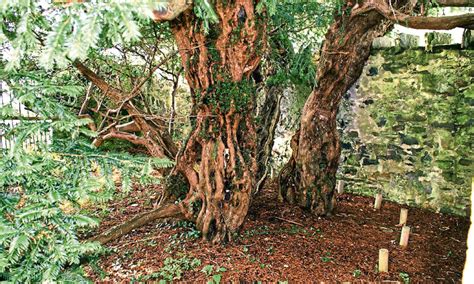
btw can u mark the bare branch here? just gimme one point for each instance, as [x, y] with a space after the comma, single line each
[158, 143]
[86, 100]
[128, 127]
[434, 23]
[419, 22]
[107, 128]
[114, 93]
[136, 89]
[132, 138]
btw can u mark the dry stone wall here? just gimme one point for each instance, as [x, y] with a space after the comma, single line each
[407, 128]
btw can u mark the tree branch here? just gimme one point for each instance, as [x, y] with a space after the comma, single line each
[86, 100]
[435, 23]
[115, 93]
[132, 138]
[128, 127]
[137, 88]
[110, 91]
[420, 22]
[454, 3]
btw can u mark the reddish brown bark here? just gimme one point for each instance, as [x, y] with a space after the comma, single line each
[219, 158]
[454, 3]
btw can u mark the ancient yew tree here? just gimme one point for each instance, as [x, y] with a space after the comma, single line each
[309, 178]
[219, 157]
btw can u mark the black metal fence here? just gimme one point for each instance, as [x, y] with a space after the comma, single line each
[15, 113]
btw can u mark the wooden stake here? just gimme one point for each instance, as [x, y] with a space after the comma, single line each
[403, 216]
[378, 201]
[404, 236]
[340, 187]
[383, 260]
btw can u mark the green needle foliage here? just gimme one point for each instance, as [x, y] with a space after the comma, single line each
[47, 190]
[43, 200]
[56, 33]
[44, 197]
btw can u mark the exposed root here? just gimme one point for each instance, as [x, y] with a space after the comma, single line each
[166, 211]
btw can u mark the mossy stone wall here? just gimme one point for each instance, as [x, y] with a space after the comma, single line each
[407, 128]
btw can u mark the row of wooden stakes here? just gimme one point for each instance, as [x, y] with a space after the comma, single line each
[405, 233]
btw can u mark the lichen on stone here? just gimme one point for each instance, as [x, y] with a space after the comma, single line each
[414, 125]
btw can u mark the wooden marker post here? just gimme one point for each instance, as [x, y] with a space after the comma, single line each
[378, 201]
[383, 260]
[404, 236]
[340, 187]
[403, 216]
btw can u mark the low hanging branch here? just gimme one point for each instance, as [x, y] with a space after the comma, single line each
[429, 23]
[419, 22]
[454, 3]
[436, 23]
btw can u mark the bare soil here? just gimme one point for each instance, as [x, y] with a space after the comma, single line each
[280, 242]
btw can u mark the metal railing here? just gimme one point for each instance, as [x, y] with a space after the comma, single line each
[20, 114]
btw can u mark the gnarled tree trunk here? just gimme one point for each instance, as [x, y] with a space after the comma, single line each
[309, 177]
[219, 157]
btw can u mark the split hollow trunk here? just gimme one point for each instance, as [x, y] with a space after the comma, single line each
[268, 117]
[309, 178]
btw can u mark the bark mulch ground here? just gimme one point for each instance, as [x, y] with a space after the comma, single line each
[280, 242]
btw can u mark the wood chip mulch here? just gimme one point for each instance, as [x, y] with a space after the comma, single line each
[280, 242]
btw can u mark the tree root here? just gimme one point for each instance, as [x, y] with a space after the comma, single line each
[165, 211]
